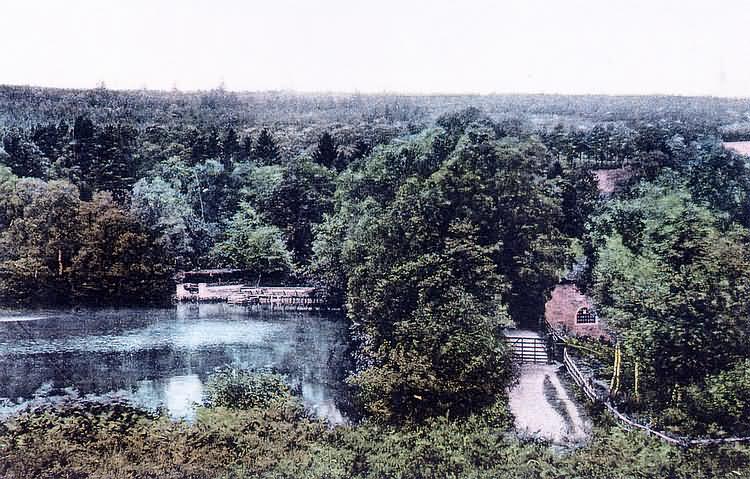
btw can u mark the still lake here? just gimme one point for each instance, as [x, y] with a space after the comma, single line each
[161, 358]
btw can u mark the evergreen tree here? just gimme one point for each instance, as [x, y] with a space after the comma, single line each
[23, 156]
[212, 148]
[266, 150]
[230, 148]
[49, 139]
[114, 164]
[83, 155]
[248, 146]
[325, 153]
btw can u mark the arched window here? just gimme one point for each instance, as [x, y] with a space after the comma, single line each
[585, 315]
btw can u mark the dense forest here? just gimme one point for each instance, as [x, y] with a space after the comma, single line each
[175, 181]
[434, 222]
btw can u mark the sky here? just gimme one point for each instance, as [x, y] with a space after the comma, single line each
[683, 47]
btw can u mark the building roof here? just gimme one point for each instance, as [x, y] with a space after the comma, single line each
[741, 147]
[219, 273]
[213, 271]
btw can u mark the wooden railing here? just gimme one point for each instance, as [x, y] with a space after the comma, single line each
[552, 331]
[586, 385]
[582, 381]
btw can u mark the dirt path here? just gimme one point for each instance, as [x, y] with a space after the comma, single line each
[543, 408]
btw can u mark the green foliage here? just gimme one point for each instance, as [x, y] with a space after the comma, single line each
[8, 206]
[431, 270]
[253, 245]
[580, 197]
[235, 388]
[262, 182]
[380, 175]
[166, 212]
[22, 155]
[293, 198]
[434, 241]
[325, 154]
[721, 404]
[674, 286]
[59, 249]
[100, 442]
[265, 149]
[37, 247]
[729, 393]
[118, 442]
[722, 178]
[116, 258]
[457, 122]
[327, 270]
[428, 328]
[500, 186]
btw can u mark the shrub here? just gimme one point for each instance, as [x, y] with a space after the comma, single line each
[241, 389]
[123, 443]
[722, 403]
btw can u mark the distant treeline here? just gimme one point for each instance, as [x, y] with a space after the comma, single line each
[25, 106]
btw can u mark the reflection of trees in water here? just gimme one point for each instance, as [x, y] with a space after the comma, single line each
[311, 350]
[318, 348]
[88, 372]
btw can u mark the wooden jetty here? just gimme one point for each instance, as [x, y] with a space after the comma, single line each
[218, 286]
[282, 297]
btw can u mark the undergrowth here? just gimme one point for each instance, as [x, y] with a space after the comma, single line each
[90, 440]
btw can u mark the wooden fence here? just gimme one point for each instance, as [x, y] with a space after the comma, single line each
[582, 381]
[586, 385]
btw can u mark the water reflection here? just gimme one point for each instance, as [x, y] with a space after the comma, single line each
[162, 358]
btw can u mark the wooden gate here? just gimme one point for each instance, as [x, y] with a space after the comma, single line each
[528, 349]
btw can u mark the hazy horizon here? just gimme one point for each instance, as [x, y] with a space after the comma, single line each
[567, 47]
[355, 92]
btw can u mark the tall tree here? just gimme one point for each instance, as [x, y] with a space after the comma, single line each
[37, 248]
[255, 246]
[82, 155]
[447, 261]
[117, 260]
[248, 148]
[114, 168]
[230, 148]
[178, 231]
[580, 196]
[266, 150]
[23, 156]
[676, 291]
[294, 198]
[325, 153]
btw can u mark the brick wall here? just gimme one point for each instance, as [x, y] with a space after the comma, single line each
[560, 311]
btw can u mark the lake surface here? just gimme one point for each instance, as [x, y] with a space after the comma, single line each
[161, 358]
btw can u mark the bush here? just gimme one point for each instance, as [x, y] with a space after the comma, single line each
[103, 441]
[236, 388]
[123, 443]
[721, 405]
